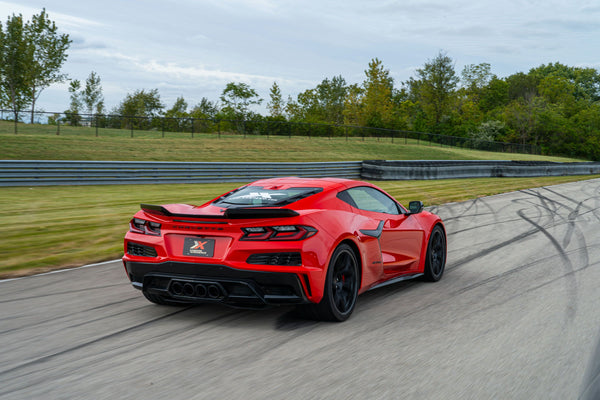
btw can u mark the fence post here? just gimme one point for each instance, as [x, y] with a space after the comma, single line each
[132, 128]
[163, 127]
[57, 127]
[192, 128]
[96, 125]
[219, 127]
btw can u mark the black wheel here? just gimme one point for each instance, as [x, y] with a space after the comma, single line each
[161, 300]
[435, 260]
[341, 288]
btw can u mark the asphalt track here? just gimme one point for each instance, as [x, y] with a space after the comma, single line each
[516, 316]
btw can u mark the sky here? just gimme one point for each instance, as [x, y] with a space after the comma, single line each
[193, 48]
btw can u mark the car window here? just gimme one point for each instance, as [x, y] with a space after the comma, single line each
[259, 196]
[369, 199]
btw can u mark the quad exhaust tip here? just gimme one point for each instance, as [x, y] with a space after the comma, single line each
[198, 290]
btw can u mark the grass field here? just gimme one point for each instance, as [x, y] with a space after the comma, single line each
[52, 227]
[40, 142]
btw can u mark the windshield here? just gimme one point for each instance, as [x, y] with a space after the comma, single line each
[258, 196]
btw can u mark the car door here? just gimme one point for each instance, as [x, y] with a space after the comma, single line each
[400, 235]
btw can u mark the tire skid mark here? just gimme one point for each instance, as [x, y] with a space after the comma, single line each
[574, 214]
[572, 217]
[123, 349]
[495, 223]
[567, 265]
[455, 265]
[91, 321]
[570, 275]
[70, 315]
[393, 320]
[520, 268]
[560, 195]
[87, 289]
[91, 342]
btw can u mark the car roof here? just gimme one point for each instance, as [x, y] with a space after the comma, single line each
[326, 183]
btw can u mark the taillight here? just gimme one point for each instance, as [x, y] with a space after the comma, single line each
[144, 227]
[280, 232]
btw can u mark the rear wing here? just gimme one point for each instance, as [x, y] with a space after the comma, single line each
[230, 213]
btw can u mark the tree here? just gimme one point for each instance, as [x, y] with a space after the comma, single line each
[435, 88]
[522, 86]
[141, 103]
[377, 103]
[92, 94]
[48, 52]
[476, 76]
[353, 105]
[206, 109]
[176, 114]
[585, 81]
[15, 57]
[275, 106]
[237, 98]
[72, 115]
[487, 131]
[494, 95]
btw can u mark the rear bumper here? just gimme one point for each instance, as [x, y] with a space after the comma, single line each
[194, 283]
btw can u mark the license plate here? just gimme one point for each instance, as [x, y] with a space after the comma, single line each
[198, 247]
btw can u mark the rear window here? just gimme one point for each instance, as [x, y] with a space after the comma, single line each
[258, 196]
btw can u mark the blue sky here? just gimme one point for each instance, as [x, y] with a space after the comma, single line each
[193, 48]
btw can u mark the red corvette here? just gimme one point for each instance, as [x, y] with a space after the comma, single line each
[316, 243]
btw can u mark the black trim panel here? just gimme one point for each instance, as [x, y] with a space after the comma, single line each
[240, 288]
[376, 233]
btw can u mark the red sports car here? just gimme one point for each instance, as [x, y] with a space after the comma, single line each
[316, 243]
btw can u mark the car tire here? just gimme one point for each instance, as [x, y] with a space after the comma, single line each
[341, 288]
[156, 299]
[435, 258]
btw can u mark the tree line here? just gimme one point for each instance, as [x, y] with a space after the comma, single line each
[553, 106]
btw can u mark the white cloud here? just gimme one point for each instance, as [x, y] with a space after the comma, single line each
[193, 48]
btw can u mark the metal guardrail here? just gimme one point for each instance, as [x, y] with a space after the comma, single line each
[45, 173]
[455, 169]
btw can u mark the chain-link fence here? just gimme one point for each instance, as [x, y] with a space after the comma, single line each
[134, 126]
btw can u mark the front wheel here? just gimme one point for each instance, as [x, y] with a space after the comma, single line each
[435, 260]
[341, 287]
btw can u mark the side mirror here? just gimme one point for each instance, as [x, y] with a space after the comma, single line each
[415, 207]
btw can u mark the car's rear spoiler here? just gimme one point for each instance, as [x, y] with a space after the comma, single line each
[230, 213]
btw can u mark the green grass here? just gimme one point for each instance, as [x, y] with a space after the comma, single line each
[40, 142]
[60, 226]
[51, 227]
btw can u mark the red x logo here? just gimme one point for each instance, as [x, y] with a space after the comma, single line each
[198, 246]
